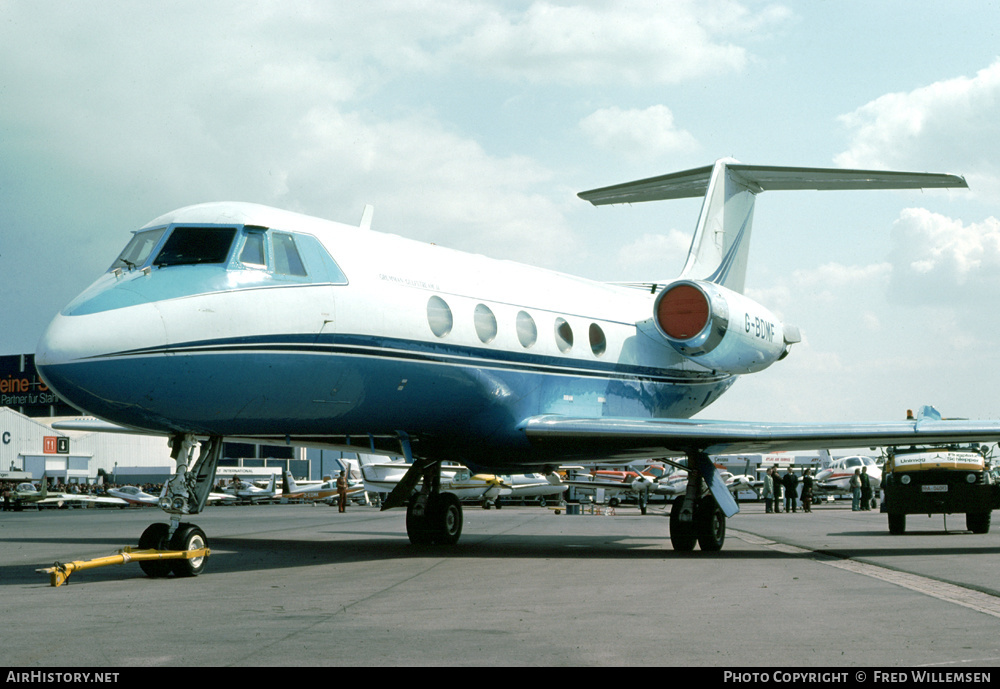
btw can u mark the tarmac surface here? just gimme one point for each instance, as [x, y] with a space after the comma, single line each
[304, 585]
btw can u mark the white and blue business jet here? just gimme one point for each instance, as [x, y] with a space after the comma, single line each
[241, 321]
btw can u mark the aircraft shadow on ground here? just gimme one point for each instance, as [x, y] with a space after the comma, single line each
[261, 554]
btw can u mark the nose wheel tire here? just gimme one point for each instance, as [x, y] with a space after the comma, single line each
[188, 537]
[155, 537]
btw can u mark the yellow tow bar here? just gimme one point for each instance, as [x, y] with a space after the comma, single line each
[59, 572]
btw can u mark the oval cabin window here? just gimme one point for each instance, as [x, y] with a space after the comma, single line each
[486, 324]
[527, 331]
[564, 335]
[439, 316]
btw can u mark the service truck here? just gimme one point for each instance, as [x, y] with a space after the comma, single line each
[939, 480]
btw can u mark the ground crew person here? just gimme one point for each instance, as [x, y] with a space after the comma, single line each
[342, 491]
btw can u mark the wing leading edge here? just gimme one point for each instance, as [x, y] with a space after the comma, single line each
[628, 438]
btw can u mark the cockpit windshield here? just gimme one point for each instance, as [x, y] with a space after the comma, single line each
[195, 245]
[138, 249]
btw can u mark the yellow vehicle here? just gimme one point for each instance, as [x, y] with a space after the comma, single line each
[939, 480]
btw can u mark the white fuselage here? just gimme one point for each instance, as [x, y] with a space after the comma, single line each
[383, 335]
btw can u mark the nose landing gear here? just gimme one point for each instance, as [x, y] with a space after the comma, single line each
[185, 493]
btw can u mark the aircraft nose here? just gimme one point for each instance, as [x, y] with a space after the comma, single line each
[76, 355]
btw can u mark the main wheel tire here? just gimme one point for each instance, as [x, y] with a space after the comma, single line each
[682, 534]
[188, 537]
[897, 524]
[978, 522]
[710, 525]
[418, 522]
[446, 519]
[155, 537]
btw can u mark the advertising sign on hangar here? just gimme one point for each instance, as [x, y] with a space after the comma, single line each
[23, 390]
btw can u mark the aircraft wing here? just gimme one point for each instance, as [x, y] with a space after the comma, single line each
[89, 425]
[60, 498]
[624, 438]
[608, 486]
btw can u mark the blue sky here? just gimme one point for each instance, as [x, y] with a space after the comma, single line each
[474, 124]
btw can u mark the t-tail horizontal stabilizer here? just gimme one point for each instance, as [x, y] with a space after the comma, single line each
[719, 248]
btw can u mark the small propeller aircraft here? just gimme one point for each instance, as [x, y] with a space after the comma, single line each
[27, 493]
[244, 490]
[324, 490]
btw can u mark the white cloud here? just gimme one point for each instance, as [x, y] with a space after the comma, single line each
[638, 133]
[426, 183]
[637, 43]
[653, 257]
[940, 260]
[949, 125]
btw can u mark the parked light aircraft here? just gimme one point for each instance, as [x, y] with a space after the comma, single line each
[133, 495]
[534, 485]
[455, 480]
[324, 490]
[26, 492]
[836, 478]
[642, 485]
[242, 321]
[245, 490]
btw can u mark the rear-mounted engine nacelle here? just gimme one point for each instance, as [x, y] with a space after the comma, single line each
[720, 329]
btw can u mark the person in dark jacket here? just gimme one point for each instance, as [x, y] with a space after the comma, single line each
[807, 490]
[866, 490]
[790, 482]
[769, 491]
[777, 490]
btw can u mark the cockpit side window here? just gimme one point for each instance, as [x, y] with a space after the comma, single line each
[252, 253]
[138, 249]
[196, 245]
[286, 257]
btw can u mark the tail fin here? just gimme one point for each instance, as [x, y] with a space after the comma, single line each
[721, 240]
[288, 483]
[825, 460]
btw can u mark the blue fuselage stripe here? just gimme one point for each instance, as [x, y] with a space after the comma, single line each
[355, 385]
[429, 352]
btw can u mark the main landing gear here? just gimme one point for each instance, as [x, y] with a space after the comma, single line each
[432, 517]
[186, 493]
[696, 517]
[434, 520]
[707, 528]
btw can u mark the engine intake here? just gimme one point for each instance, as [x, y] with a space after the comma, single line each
[720, 329]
